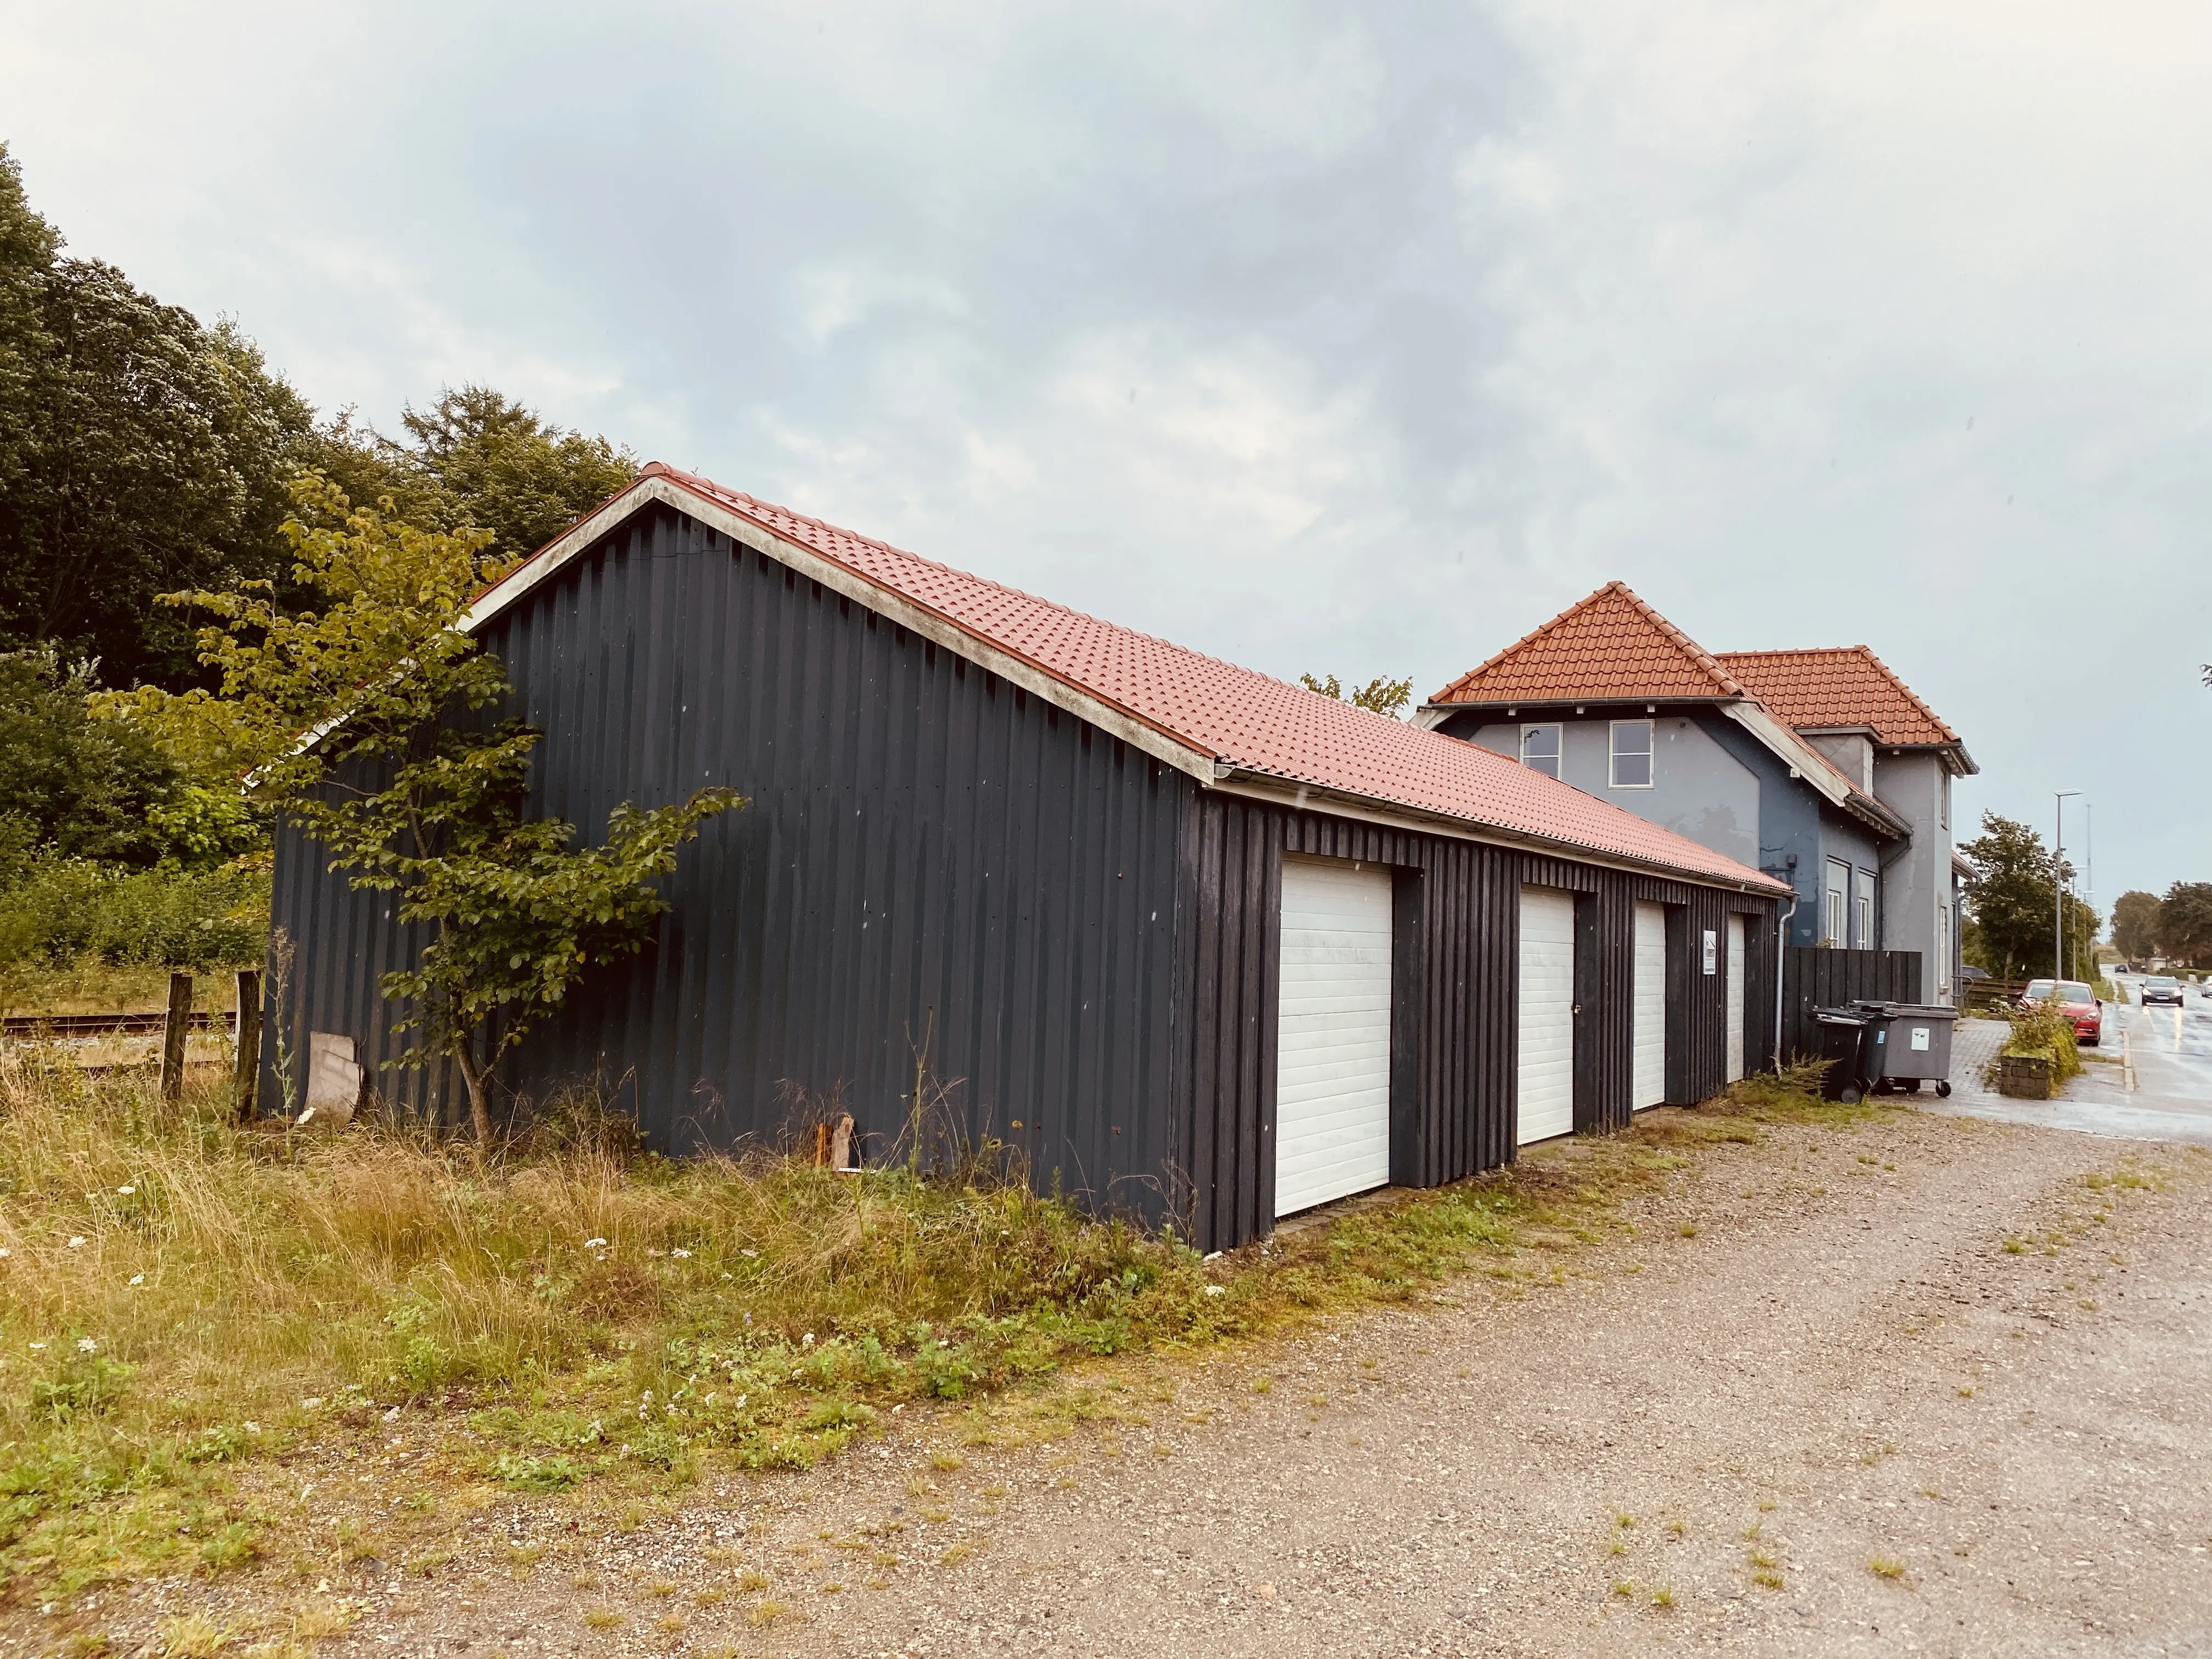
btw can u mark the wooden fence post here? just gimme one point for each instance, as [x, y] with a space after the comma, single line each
[245, 1077]
[173, 1031]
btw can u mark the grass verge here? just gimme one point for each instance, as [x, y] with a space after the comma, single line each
[188, 1308]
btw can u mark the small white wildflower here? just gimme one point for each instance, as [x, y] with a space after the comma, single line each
[92, 1198]
[137, 1278]
[86, 1344]
[5, 1252]
[807, 1340]
[710, 1397]
[653, 1252]
[681, 1256]
[313, 1402]
[749, 1253]
[1216, 1290]
[742, 1399]
[76, 1242]
[125, 1191]
[595, 1243]
[252, 1427]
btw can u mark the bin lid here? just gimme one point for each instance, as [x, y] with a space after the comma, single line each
[1916, 1011]
[1839, 1016]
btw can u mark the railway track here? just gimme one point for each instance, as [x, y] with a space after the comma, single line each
[86, 1027]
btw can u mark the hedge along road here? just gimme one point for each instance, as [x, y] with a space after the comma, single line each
[1924, 1383]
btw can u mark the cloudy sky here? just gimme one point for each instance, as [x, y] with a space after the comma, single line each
[1359, 339]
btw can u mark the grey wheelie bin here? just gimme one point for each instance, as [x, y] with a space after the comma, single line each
[1907, 1043]
[1844, 1035]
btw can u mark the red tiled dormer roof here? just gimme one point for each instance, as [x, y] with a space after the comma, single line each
[1610, 645]
[1241, 720]
[1846, 685]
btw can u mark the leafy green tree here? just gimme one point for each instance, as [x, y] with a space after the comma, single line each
[2014, 898]
[2135, 925]
[414, 784]
[140, 452]
[1378, 695]
[476, 459]
[71, 784]
[2185, 922]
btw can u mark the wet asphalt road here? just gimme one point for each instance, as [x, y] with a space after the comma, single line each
[2171, 1049]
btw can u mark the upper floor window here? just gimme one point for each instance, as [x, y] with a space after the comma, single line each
[1540, 749]
[1943, 799]
[1631, 755]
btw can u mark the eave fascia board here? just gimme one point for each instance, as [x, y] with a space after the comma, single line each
[1281, 791]
[1501, 706]
[1786, 746]
[887, 602]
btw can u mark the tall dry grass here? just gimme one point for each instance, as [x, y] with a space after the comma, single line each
[178, 1291]
[168, 1277]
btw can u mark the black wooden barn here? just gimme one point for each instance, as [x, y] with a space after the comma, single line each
[1202, 943]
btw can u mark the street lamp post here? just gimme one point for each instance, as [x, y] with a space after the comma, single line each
[2058, 886]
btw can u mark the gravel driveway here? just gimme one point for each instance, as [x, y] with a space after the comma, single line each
[1895, 1389]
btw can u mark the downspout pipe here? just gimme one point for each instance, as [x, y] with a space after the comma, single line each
[1781, 944]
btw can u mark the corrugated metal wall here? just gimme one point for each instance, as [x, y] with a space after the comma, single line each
[1088, 941]
[929, 851]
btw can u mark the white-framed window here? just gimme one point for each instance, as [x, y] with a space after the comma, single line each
[1943, 799]
[1836, 905]
[1540, 749]
[1862, 911]
[1631, 755]
[1943, 950]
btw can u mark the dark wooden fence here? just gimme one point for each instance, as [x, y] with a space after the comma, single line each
[1814, 977]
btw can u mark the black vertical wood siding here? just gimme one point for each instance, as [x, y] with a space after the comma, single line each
[1088, 941]
[1818, 976]
[1454, 1033]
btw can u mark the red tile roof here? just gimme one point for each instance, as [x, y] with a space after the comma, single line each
[1609, 645]
[1847, 685]
[1234, 714]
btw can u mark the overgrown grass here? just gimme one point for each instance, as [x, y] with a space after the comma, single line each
[180, 1294]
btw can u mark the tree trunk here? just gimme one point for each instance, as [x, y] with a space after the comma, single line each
[479, 1084]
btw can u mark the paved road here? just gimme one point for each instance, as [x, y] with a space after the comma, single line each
[2171, 1049]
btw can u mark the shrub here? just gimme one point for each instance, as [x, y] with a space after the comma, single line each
[64, 909]
[2045, 1033]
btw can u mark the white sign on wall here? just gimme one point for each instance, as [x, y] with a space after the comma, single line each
[1712, 951]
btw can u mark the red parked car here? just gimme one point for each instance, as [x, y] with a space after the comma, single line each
[2075, 1000]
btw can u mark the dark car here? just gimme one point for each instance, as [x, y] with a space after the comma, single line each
[2161, 987]
[2075, 1000]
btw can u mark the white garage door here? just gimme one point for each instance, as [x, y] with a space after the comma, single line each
[1649, 1071]
[1546, 1103]
[1333, 1047]
[1735, 998]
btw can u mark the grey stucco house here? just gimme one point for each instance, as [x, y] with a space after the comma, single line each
[1820, 767]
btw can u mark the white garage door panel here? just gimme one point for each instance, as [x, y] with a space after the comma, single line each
[1546, 1021]
[1735, 966]
[1332, 1040]
[1649, 1071]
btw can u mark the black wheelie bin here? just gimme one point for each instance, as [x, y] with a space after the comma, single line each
[1844, 1035]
